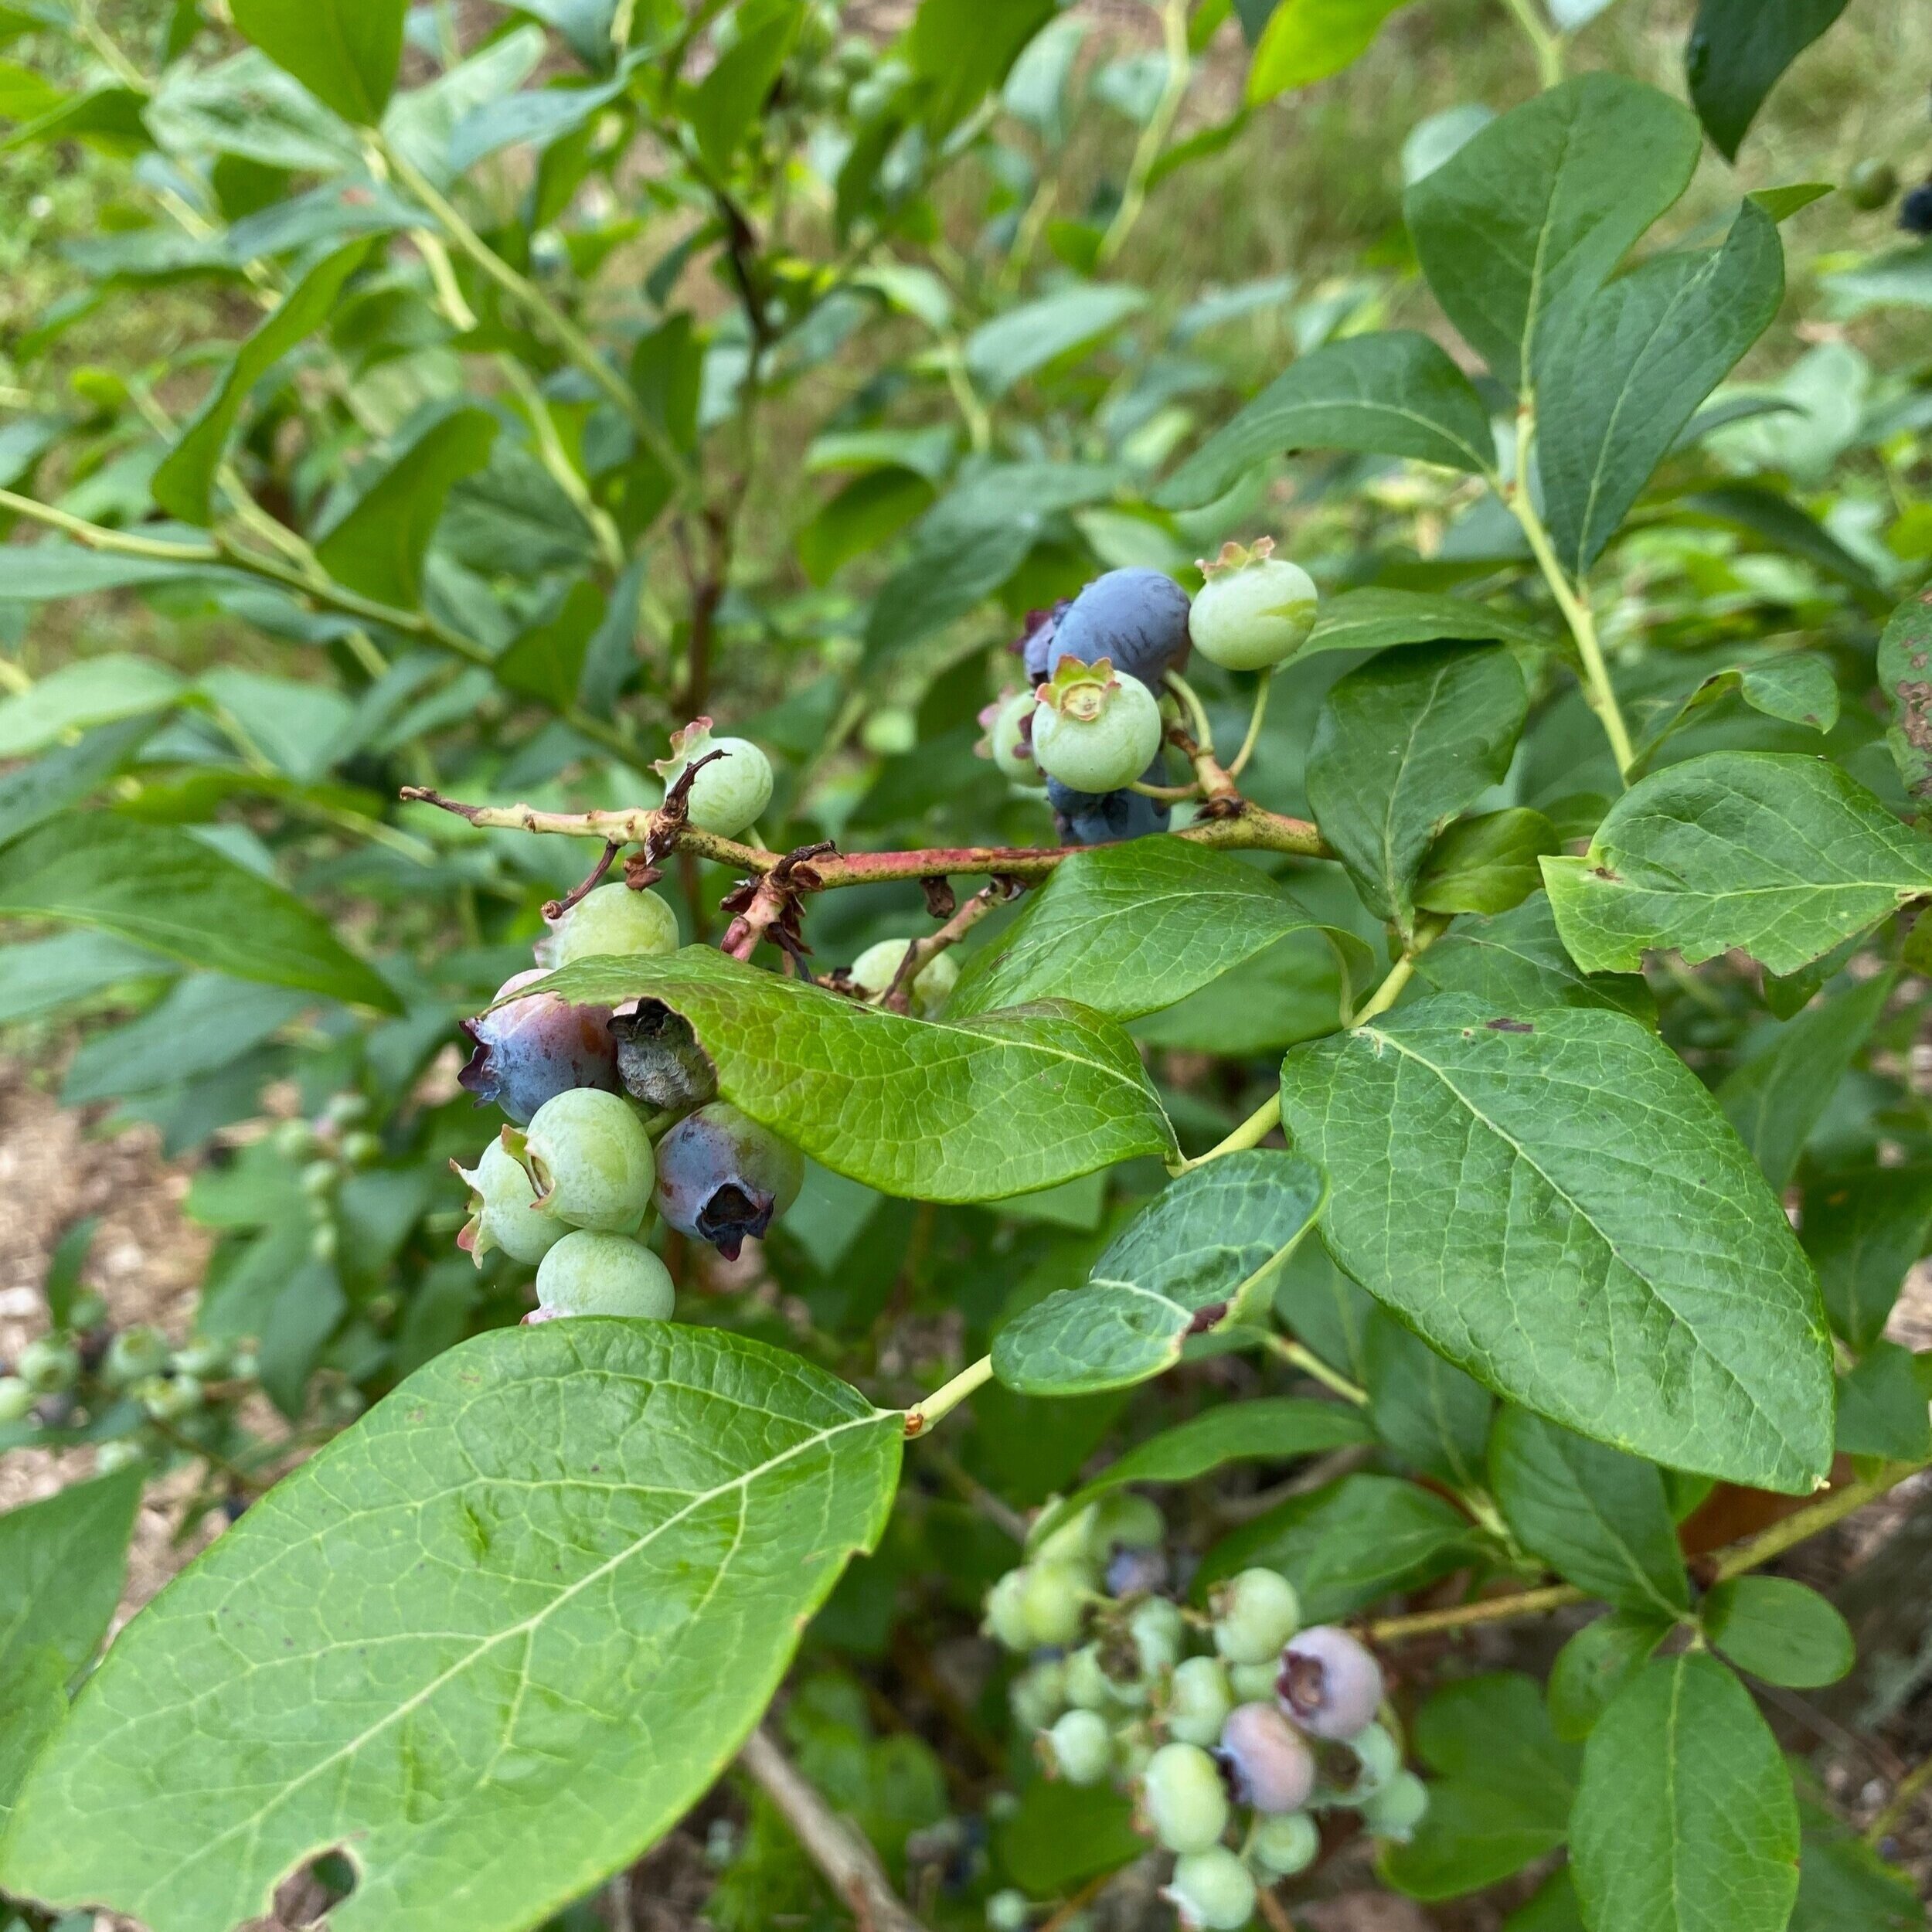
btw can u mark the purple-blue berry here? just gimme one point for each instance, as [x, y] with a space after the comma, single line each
[1267, 1760]
[1035, 646]
[1329, 1683]
[722, 1178]
[1915, 211]
[1137, 619]
[529, 1050]
[1103, 819]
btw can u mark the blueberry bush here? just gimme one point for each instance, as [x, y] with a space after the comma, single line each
[1136, 1138]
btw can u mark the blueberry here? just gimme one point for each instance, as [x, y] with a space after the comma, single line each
[1183, 1798]
[659, 1060]
[589, 1273]
[873, 970]
[1284, 1844]
[135, 1352]
[1103, 818]
[17, 1399]
[1157, 1631]
[1199, 1700]
[1005, 1618]
[1133, 1572]
[1212, 1890]
[501, 1216]
[1053, 1601]
[1396, 1810]
[1088, 1686]
[168, 1398]
[532, 1049]
[1136, 618]
[614, 922]
[1255, 1613]
[1035, 647]
[1095, 728]
[1039, 1695]
[1079, 1748]
[1008, 741]
[722, 1177]
[1871, 184]
[1329, 1683]
[1371, 1758]
[1268, 1762]
[49, 1364]
[728, 795]
[1253, 1682]
[1124, 1520]
[119, 1454]
[1915, 211]
[590, 1159]
[1007, 1911]
[1254, 611]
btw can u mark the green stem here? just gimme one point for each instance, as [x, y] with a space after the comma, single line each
[556, 459]
[1311, 1365]
[1251, 1133]
[1789, 1531]
[95, 537]
[1549, 46]
[1203, 732]
[1903, 1794]
[1253, 737]
[947, 1397]
[1388, 993]
[1147, 150]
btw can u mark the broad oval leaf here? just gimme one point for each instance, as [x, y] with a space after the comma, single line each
[156, 885]
[1200, 1257]
[1737, 50]
[1772, 853]
[1307, 40]
[1556, 1204]
[1684, 1820]
[1375, 618]
[935, 1110]
[1393, 394]
[1025, 340]
[1516, 962]
[84, 693]
[492, 1641]
[1271, 1429]
[1863, 1231]
[1778, 1629]
[345, 53]
[1596, 1663]
[1129, 929]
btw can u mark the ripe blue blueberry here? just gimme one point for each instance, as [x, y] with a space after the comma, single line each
[723, 1178]
[1267, 1760]
[590, 1159]
[1329, 1683]
[873, 970]
[1183, 1799]
[529, 1050]
[1103, 819]
[1915, 211]
[589, 1273]
[727, 795]
[1008, 741]
[1212, 1890]
[1255, 1613]
[1138, 618]
[659, 1060]
[501, 1217]
[1096, 728]
[1079, 1747]
[1396, 1810]
[614, 922]
[1284, 1844]
[1199, 1700]
[1036, 645]
[1254, 611]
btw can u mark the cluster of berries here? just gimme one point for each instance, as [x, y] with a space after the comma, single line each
[325, 1151]
[1091, 721]
[1263, 1718]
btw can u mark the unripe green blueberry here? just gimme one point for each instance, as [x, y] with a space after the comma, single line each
[592, 1273]
[122, 1453]
[323, 1241]
[1253, 1683]
[1268, 1759]
[1396, 1810]
[1007, 1911]
[1124, 1520]
[88, 1311]
[1371, 1759]
[1068, 1539]
[319, 1179]
[590, 1158]
[889, 732]
[17, 1399]
[1871, 184]
[1212, 1890]
[871, 972]
[361, 1148]
[1255, 611]
[1095, 729]
[1088, 1686]
[1008, 741]
[1159, 1632]
[1079, 1748]
[201, 1359]
[167, 1398]
[1284, 1844]
[855, 57]
[293, 1141]
[1053, 1601]
[1329, 1683]
[613, 922]
[1255, 1613]
[49, 1364]
[135, 1352]
[1183, 1799]
[1199, 1700]
[1005, 1618]
[1039, 1695]
[728, 795]
[1133, 1748]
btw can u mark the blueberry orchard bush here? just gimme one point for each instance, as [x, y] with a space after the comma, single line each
[1557, 914]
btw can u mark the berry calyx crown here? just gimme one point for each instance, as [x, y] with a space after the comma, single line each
[1078, 690]
[1235, 556]
[685, 745]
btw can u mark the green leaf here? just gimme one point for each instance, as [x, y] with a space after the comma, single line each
[1024, 340]
[1777, 1097]
[375, 543]
[1266, 1429]
[1293, 990]
[1597, 1517]
[1596, 1663]
[497, 1638]
[535, 119]
[1617, 377]
[725, 103]
[937, 1110]
[1553, 1907]
[1737, 50]
[84, 692]
[1307, 40]
[1771, 853]
[1486, 864]
[1532, 215]
[1060, 1834]
[1557, 1205]
[62, 1562]
[1515, 963]
[1504, 1793]
[36, 573]
[930, 589]
[1796, 686]
[963, 50]
[49, 974]
[1881, 1406]
[1684, 1819]
[345, 53]
[1393, 393]
[1375, 619]
[546, 660]
[1202, 1256]
[1905, 676]
[1401, 744]
[184, 484]
[1429, 1413]
[1779, 1630]
[1128, 929]
[160, 888]
[1347, 1544]
[1863, 1231]
[33, 1700]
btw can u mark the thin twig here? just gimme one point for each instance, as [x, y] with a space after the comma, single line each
[554, 909]
[920, 953]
